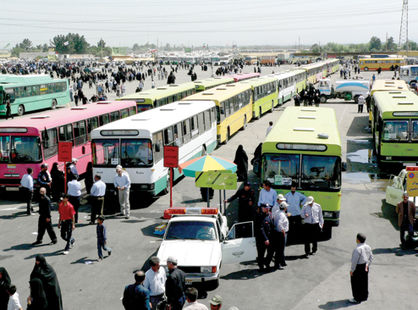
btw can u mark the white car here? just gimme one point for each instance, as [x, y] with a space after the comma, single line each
[202, 243]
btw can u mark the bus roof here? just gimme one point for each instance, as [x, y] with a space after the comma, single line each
[389, 85]
[9, 80]
[305, 126]
[58, 117]
[166, 115]
[219, 93]
[396, 104]
[243, 76]
[286, 74]
[313, 65]
[160, 92]
[260, 81]
[212, 82]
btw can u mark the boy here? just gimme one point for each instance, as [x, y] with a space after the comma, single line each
[14, 303]
[101, 238]
[66, 222]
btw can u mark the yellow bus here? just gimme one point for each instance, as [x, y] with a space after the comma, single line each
[385, 64]
[265, 94]
[160, 96]
[233, 107]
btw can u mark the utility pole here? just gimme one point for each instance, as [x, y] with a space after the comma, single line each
[403, 33]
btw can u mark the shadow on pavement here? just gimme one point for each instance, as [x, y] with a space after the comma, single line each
[295, 257]
[25, 246]
[14, 215]
[84, 260]
[396, 251]
[337, 304]
[389, 213]
[149, 230]
[358, 125]
[245, 274]
[55, 253]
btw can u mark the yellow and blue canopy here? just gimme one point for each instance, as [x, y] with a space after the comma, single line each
[206, 163]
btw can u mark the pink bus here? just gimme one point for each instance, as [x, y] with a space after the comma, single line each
[31, 140]
[244, 76]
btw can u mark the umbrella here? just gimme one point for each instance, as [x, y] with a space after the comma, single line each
[206, 163]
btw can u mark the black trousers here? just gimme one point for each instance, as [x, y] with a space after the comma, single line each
[75, 201]
[28, 195]
[261, 251]
[360, 108]
[97, 204]
[44, 225]
[360, 283]
[67, 232]
[406, 227]
[311, 233]
[279, 245]
[295, 228]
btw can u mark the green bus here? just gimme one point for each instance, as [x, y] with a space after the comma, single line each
[202, 85]
[304, 148]
[265, 94]
[394, 121]
[160, 96]
[32, 93]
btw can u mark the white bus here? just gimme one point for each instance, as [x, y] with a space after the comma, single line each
[287, 82]
[409, 74]
[137, 143]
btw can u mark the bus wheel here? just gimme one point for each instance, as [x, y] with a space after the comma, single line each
[204, 151]
[259, 113]
[244, 126]
[54, 104]
[228, 135]
[323, 99]
[412, 82]
[272, 106]
[366, 69]
[326, 232]
[20, 110]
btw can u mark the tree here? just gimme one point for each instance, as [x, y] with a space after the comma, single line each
[101, 44]
[390, 44]
[375, 44]
[26, 45]
[71, 43]
[316, 48]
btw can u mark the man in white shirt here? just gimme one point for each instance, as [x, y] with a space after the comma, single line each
[267, 196]
[27, 189]
[97, 193]
[74, 193]
[360, 103]
[14, 303]
[359, 273]
[294, 200]
[191, 300]
[313, 223]
[155, 279]
[73, 168]
[281, 227]
[122, 183]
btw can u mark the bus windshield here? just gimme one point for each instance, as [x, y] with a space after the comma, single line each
[106, 152]
[281, 169]
[136, 152]
[25, 149]
[4, 149]
[395, 130]
[321, 172]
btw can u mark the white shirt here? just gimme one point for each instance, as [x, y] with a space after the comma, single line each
[14, 303]
[294, 201]
[73, 169]
[122, 181]
[267, 197]
[361, 100]
[362, 254]
[27, 181]
[74, 188]
[155, 281]
[98, 189]
[269, 128]
[194, 306]
[314, 213]
[280, 221]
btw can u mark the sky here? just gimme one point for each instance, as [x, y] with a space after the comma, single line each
[212, 22]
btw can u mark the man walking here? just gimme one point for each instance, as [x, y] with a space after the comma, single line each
[66, 222]
[97, 193]
[27, 189]
[155, 279]
[74, 194]
[175, 285]
[123, 184]
[294, 200]
[246, 202]
[406, 214]
[269, 128]
[360, 261]
[136, 296]
[44, 222]
[313, 223]
[281, 227]
[192, 303]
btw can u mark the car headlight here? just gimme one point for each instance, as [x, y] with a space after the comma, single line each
[328, 214]
[208, 269]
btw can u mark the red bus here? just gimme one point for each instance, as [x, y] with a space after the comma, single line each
[243, 76]
[31, 140]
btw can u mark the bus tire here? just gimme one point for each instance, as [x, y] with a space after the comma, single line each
[272, 106]
[228, 135]
[260, 111]
[323, 99]
[204, 150]
[54, 104]
[412, 82]
[244, 126]
[366, 68]
[20, 110]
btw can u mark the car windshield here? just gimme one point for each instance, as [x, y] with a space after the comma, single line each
[191, 230]
[25, 150]
[4, 149]
[281, 169]
[395, 131]
[105, 152]
[321, 172]
[136, 152]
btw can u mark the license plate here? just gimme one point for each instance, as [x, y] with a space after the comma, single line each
[12, 189]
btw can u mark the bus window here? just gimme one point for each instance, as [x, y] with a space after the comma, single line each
[321, 172]
[105, 152]
[104, 119]
[194, 126]
[92, 123]
[136, 152]
[80, 136]
[227, 108]
[186, 131]
[177, 135]
[281, 169]
[114, 116]
[201, 123]
[157, 140]
[208, 122]
[66, 133]
[395, 130]
[414, 134]
[214, 112]
[4, 149]
[124, 113]
[168, 136]
[26, 149]
[50, 142]
[132, 111]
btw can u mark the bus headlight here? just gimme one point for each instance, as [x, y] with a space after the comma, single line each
[328, 214]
